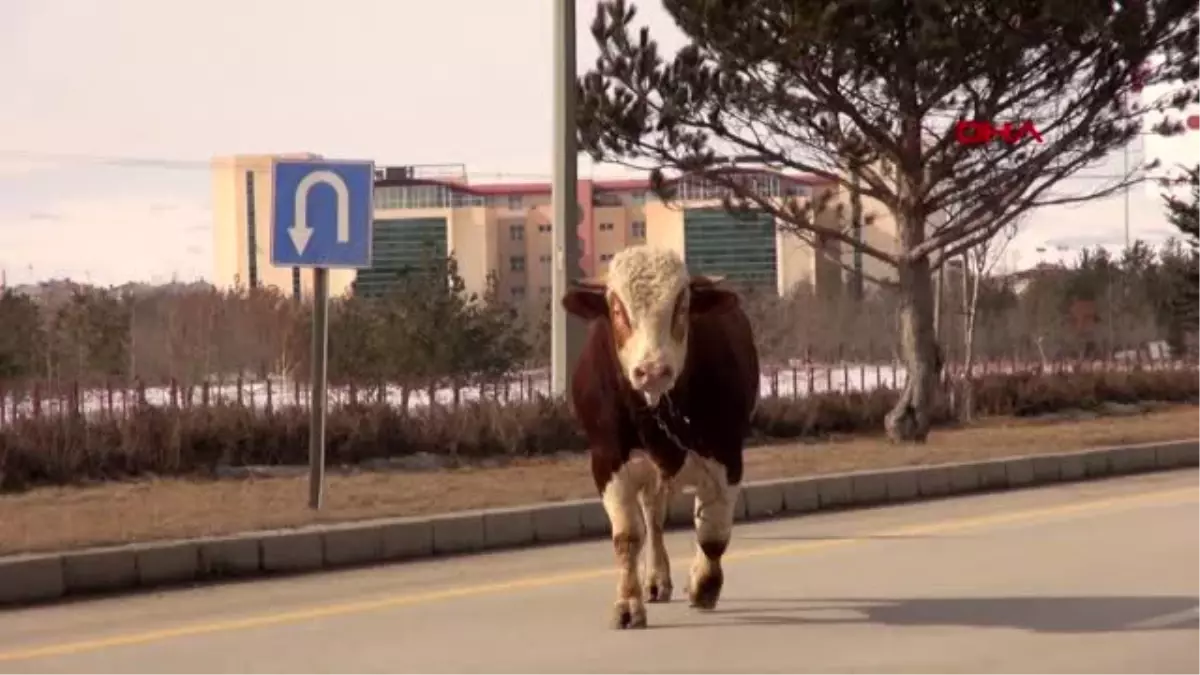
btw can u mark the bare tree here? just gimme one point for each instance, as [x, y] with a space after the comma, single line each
[977, 265]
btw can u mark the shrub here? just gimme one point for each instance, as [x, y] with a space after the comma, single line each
[171, 440]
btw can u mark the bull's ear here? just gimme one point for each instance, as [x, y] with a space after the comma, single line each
[585, 303]
[707, 299]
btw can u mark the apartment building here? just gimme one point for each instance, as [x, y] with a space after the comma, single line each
[504, 229]
[242, 200]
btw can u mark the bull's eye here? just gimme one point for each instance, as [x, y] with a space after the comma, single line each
[619, 318]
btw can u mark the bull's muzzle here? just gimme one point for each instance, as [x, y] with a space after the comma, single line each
[652, 379]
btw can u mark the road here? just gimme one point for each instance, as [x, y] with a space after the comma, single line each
[1090, 577]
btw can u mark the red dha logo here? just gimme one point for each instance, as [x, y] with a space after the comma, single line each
[970, 132]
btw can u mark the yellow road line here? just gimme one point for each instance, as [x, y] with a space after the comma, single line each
[1165, 497]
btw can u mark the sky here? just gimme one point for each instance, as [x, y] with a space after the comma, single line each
[400, 82]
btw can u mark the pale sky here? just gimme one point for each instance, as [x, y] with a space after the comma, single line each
[397, 81]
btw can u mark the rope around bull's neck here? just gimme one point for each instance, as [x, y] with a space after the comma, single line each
[662, 425]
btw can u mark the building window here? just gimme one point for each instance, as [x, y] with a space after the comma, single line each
[544, 228]
[514, 201]
[605, 227]
[638, 197]
[517, 232]
[545, 258]
[516, 263]
[518, 292]
[423, 197]
[637, 229]
[606, 199]
[605, 257]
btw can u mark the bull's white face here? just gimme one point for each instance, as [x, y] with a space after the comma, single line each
[647, 294]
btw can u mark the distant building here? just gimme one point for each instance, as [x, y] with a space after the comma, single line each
[241, 207]
[504, 229]
[1021, 280]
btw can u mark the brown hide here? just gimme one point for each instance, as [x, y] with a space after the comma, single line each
[710, 405]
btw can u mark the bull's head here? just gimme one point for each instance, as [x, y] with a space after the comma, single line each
[650, 299]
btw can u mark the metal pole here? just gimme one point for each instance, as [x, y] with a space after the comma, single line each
[566, 339]
[320, 362]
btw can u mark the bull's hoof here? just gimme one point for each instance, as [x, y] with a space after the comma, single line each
[706, 591]
[658, 591]
[628, 615]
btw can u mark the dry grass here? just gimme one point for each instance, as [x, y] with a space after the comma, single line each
[63, 518]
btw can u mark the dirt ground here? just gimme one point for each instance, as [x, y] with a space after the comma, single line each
[65, 518]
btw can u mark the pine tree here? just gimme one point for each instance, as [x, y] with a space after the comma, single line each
[1183, 269]
[22, 338]
[866, 93]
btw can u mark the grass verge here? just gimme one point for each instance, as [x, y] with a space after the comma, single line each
[59, 518]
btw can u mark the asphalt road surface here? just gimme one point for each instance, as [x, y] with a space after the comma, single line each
[1097, 577]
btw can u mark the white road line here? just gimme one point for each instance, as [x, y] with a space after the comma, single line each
[1167, 620]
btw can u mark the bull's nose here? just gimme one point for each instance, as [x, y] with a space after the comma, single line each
[651, 373]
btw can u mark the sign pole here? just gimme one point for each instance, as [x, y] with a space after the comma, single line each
[320, 363]
[323, 218]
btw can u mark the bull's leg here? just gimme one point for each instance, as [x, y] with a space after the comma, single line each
[715, 502]
[628, 534]
[655, 499]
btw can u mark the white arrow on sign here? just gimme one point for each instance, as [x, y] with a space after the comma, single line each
[300, 232]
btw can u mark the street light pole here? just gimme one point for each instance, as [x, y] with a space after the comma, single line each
[566, 339]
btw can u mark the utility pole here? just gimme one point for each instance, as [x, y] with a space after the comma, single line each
[566, 332]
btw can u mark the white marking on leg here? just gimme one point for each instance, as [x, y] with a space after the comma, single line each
[655, 498]
[714, 513]
[716, 500]
[620, 499]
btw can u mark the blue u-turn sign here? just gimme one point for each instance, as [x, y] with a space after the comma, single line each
[322, 215]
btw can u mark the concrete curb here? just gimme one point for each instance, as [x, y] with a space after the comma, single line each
[37, 578]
